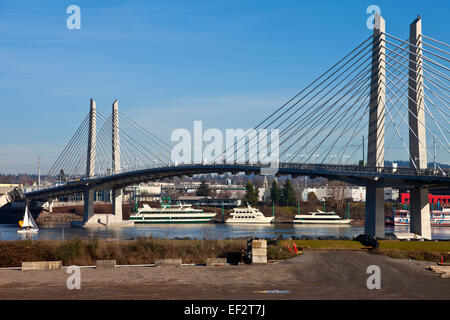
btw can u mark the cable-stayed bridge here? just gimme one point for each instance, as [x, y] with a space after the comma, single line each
[388, 96]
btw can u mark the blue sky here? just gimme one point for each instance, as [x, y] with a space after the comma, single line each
[171, 62]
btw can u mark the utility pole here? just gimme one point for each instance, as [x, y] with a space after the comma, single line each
[363, 150]
[306, 149]
[434, 153]
[306, 177]
[39, 172]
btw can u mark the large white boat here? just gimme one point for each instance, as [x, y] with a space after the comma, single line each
[248, 215]
[27, 225]
[320, 217]
[438, 218]
[181, 213]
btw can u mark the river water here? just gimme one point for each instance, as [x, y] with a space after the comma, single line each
[212, 231]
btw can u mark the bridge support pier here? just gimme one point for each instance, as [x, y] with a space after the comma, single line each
[117, 204]
[420, 212]
[50, 206]
[374, 217]
[88, 204]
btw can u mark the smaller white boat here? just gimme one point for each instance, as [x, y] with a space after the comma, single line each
[248, 215]
[321, 217]
[28, 225]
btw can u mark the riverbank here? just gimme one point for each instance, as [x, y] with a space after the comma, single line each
[145, 251]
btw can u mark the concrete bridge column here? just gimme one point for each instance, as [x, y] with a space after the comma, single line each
[116, 193]
[420, 209]
[88, 204]
[90, 164]
[117, 204]
[374, 217]
[420, 212]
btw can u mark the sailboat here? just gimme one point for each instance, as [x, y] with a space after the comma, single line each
[28, 225]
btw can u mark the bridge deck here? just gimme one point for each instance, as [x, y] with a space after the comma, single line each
[358, 175]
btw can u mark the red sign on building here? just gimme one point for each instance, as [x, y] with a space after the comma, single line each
[442, 199]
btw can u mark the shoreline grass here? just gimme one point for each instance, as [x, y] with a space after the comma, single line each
[145, 251]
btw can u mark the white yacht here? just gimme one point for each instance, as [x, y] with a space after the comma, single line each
[181, 213]
[320, 217]
[248, 215]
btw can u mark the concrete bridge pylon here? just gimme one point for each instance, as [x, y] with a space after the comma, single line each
[116, 193]
[419, 206]
[374, 216]
[90, 219]
[90, 164]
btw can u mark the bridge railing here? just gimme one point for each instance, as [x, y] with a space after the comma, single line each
[337, 168]
[364, 169]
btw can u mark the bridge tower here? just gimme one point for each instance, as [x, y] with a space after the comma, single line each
[90, 164]
[116, 193]
[374, 216]
[420, 209]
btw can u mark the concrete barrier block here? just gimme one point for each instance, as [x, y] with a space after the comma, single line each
[259, 259]
[105, 264]
[41, 265]
[168, 262]
[259, 244]
[216, 262]
[259, 252]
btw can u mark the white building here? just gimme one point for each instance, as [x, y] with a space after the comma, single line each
[321, 193]
[391, 194]
[352, 193]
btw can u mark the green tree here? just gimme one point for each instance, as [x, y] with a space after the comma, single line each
[275, 193]
[203, 189]
[251, 194]
[288, 197]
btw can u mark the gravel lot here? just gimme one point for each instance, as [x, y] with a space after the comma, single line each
[313, 275]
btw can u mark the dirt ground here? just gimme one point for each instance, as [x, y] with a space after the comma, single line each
[312, 275]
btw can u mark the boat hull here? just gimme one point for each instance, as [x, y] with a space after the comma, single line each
[170, 222]
[28, 231]
[346, 221]
[268, 222]
[433, 224]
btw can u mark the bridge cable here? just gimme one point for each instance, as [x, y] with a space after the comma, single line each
[425, 110]
[426, 97]
[68, 146]
[303, 90]
[296, 121]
